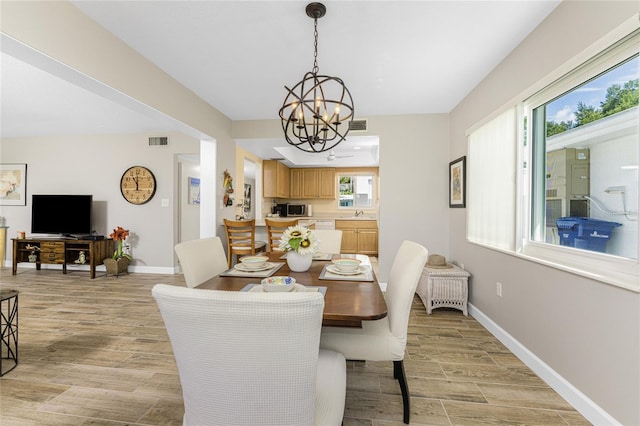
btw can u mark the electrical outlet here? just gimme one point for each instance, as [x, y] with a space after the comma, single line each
[499, 289]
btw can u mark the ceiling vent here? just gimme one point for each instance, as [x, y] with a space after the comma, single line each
[162, 141]
[358, 125]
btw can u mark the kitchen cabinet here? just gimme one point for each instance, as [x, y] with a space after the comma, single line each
[359, 236]
[313, 183]
[275, 179]
[296, 183]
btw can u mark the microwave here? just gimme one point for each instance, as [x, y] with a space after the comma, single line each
[296, 210]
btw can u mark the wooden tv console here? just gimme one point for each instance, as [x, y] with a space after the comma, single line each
[61, 251]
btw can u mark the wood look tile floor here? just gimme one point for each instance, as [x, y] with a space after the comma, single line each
[95, 352]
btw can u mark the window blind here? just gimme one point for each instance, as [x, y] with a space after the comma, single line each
[491, 210]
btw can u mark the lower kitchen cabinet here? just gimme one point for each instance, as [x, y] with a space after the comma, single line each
[359, 236]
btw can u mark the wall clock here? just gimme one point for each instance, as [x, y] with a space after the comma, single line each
[138, 185]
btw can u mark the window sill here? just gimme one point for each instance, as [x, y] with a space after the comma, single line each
[620, 272]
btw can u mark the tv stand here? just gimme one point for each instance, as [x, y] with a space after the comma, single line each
[60, 251]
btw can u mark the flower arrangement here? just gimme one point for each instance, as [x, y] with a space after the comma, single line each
[120, 234]
[299, 239]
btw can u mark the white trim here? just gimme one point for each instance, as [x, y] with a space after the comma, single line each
[585, 406]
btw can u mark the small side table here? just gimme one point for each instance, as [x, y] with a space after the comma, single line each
[444, 288]
[8, 328]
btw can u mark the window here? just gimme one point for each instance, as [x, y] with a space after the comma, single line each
[355, 191]
[555, 179]
[584, 187]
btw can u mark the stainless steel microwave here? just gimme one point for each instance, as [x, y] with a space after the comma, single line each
[296, 210]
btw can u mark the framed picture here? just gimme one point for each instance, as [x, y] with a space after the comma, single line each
[194, 191]
[247, 197]
[13, 184]
[457, 182]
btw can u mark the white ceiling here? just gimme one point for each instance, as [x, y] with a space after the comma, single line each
[396, 57]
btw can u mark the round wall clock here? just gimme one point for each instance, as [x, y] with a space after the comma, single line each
[138, 185]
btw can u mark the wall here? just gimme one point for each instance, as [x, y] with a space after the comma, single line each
[94, 164]
[413, 178]
[74, 47]
[587, 332]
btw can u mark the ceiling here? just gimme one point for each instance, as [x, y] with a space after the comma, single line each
[396, 57]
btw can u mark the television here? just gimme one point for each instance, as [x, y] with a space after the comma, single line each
[69, 215]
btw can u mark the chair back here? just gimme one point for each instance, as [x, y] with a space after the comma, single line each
[329, 240]
[406, 271]
[244, 358]
[241, 238]
[201, 259]
[275, 228]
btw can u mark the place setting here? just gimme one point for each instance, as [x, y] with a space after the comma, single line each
[346, 269]
[253, 266]
[281, 284]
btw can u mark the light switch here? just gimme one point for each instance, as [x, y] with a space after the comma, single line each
[165, 202]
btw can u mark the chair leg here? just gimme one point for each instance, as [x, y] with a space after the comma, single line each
[398, 374]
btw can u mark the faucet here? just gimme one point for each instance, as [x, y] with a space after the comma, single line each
[359, 212]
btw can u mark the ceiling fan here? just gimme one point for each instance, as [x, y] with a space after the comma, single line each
[332, 156]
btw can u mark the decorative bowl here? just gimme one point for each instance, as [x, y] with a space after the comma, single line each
[346, 264]
[254, 262]
[278, 284]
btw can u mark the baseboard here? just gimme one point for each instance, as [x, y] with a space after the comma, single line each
[585, 406]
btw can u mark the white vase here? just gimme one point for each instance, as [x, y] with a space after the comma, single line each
[299, 262]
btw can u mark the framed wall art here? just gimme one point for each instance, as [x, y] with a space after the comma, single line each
[457, 182]
[13, 184]
[194, 191]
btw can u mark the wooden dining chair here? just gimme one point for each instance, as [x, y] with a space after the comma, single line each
[251, 359]
[275, 228]
[329, 240]
[385, 339]
[241, 239]
[201, 259]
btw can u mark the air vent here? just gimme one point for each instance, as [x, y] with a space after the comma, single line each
[552, 193]
[159, 141]
[358, 125]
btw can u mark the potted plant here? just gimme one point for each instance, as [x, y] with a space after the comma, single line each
[300, 244]
[119, 262]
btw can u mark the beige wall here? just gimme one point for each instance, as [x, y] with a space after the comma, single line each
[587, 331]
[413, 179]
[61, 40]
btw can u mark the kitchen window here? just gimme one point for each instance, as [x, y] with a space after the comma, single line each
[356, 191]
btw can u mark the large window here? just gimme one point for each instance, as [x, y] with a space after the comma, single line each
[585, 158]
[356, 191]
[557, 182]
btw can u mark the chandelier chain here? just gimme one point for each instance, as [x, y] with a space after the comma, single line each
[315, 46]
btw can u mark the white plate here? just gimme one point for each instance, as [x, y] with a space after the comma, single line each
[334, 270]
[241, 267]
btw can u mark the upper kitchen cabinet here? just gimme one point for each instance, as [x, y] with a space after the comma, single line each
[313, 183]
[275, 179]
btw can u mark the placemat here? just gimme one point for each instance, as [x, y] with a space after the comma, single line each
[299, 287]
[258, 274]
[316, 256]
[365, 275]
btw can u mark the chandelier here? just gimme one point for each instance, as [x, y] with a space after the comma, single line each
[316, 110]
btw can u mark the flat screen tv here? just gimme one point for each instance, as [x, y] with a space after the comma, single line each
[61, 214]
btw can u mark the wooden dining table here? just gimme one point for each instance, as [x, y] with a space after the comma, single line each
[346, 302]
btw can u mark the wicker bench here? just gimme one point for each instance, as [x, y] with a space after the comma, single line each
[444, 288]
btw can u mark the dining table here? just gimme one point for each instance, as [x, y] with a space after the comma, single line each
[348, 299]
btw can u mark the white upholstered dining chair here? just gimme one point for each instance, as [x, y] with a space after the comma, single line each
[250, 358]
[329, 240]
[201, 259]
[385, 339]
